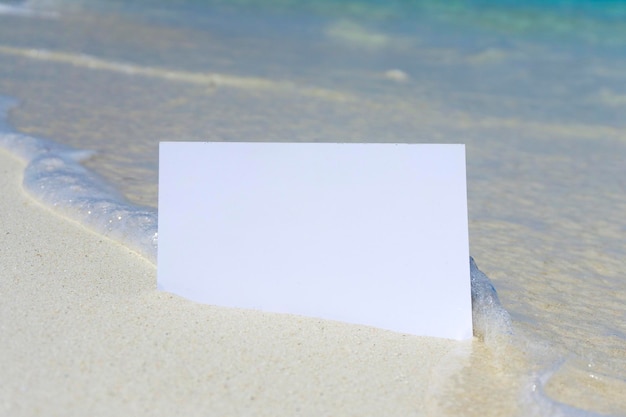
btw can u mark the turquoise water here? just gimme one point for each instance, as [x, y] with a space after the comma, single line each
[588, 21]
[536, 91]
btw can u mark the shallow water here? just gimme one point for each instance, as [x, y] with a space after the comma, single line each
[537, 94]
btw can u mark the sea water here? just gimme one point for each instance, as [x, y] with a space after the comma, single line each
[535, 90]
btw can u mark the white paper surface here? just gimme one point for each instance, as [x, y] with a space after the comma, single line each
[373, 234]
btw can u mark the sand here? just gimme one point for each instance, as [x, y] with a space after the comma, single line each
[85, 332]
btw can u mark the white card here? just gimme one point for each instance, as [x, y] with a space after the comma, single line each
[372, 234]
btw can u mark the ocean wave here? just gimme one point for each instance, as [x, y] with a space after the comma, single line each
[490, 320]
[54, 175]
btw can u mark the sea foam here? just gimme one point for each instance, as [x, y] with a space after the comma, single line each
[55, 176]
[490, 320]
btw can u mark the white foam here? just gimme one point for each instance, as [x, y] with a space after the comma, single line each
[55, 177]
[491, 321]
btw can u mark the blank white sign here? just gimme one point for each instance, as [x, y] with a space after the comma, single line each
[372, 234]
